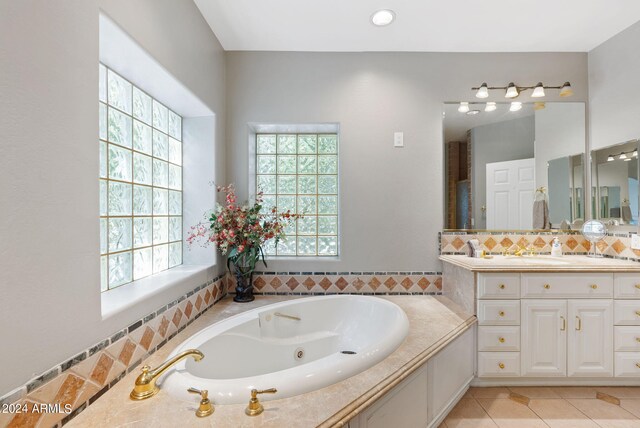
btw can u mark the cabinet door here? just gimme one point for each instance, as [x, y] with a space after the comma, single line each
[590, 341]
[544, 338]
[403, 406]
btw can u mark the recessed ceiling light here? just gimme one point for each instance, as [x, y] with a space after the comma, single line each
[383, 17]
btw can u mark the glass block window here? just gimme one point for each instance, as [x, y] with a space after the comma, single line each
[299, 172]
[140, 176]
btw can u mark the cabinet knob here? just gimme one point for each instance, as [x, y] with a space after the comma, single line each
[501, 365]
[501, 313]
[547, 286]
[594, 286]
[501, 286]
[501, 339]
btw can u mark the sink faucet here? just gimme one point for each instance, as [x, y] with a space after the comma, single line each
[520, 251]
[145, 386]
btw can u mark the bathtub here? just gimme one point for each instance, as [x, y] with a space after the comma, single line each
[335, 338]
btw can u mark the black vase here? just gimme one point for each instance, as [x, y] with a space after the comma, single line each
[244, 286]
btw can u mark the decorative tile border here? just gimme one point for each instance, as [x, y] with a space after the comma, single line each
[82, 379]
[319, 283]
[615, 245]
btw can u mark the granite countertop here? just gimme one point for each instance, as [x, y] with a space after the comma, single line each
[542, 263]
[434, 322]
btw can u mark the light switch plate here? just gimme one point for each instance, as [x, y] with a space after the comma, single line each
[635, 241]
[398, 139]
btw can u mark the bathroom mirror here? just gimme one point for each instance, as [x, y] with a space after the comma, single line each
[502, 157]
[615, 187]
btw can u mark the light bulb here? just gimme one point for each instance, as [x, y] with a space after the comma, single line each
[515, 106]
[566, 90]
[635, 153]
[538, 91]
[483, 91]
[512, 91]
[491, 106]
[383, 17]
[464, 107]
[622, 156]
[610, 158]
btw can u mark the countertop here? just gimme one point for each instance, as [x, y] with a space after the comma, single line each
[434, 322]
[542, 263]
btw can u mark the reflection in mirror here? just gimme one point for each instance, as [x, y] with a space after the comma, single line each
[500, 159]
[614, 178]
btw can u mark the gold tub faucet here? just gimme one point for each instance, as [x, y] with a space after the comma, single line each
[145, 386]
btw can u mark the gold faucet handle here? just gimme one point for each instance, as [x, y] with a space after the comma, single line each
[254, 408]
[205, 408]
[255, 392]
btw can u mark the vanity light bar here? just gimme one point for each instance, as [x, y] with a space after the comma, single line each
[512, 90]
[625, 156]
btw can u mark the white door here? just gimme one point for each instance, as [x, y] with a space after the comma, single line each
[544, 338]
[510, 194]
[590, 338]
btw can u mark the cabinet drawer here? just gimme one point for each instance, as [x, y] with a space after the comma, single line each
[562, 285]
[498, 286]
[497, 364]
[627, 338]
[627, 364]
[626, 285]
[626, 312]
[499, 338]
[499, 312]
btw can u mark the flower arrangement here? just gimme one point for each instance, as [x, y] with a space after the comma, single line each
[240, 232]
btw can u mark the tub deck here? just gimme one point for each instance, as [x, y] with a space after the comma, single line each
[434, 322]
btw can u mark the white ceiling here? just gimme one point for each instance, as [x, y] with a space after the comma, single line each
[420, 26]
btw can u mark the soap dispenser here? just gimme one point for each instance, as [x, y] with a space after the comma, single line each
[556, 247]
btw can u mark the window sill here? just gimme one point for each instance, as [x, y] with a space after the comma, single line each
[148, 294]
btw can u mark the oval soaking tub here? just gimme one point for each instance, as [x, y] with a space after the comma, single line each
[334, 338]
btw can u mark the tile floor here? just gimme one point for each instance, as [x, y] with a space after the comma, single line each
[554, 407]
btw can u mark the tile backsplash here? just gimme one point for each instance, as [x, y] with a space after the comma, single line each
[615, 244]
[413, 282]
[83, 378]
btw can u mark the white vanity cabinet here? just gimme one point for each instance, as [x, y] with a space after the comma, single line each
[542, 325]
[626, 335]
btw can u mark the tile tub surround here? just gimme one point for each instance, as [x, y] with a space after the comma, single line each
[83, 378]
[616, 245]
[434, 320]
[295, 283]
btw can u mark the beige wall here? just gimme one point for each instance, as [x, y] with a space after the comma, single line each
[49, 231]
[391, 199]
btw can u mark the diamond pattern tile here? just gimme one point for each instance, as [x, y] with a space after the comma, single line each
[325, 283]
[127, 352]
[341, 283]
[101, 369]
[147, 338]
